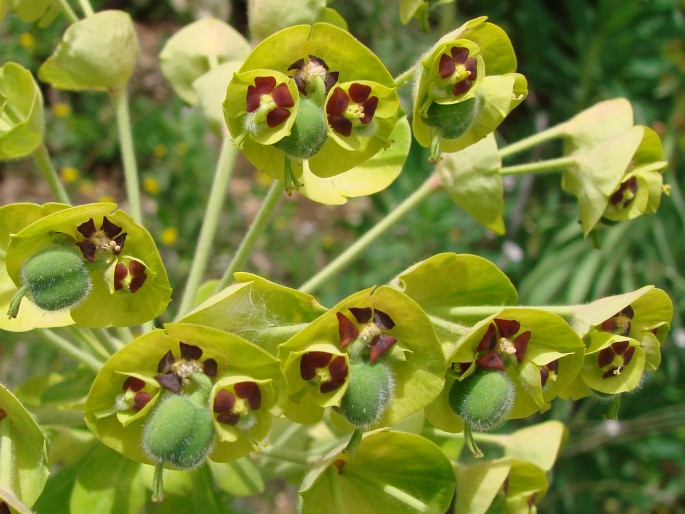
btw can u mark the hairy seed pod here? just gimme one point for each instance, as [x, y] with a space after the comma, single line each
[483, 399]
[308, 133]
[56, 278]
[180, 431]
[452, 119]
[368, 394]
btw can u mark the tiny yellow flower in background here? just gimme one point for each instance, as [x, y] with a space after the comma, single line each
[151, 185]
[181, 148]
[328, 241]
[69, 174]
[160, 150]
[169, 236]
[86, 188]
[27, 41]
[61, 109]
[106, 199]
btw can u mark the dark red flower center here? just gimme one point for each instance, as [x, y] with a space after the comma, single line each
[625, 193]
[307, 73]
[233, 402]
[613, 359]
[328, 370]
[274, 97]
[130, 277]
[619, 323]
[356, 104]
[497, 342]
[458, 65]
[176, 373]
[373, 322]
[108, 239]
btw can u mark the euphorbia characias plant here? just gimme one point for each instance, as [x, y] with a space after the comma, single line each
[365, 405]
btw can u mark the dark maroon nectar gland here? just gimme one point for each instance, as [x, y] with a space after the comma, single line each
[371, 338]
[498, 345]
[620, 322]
[313, 78]
[174, 374]
[235, 405]
[352, 109]
[102, 243]
[268, 104]
[54, 279]
[614, 358]
[129, 277]
[325, 369]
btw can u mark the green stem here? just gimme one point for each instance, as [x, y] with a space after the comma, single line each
[256, 229]
[203, 250]
[354, 441]
[67, 347]
[471, 443]
[531, 141]
[41, 158]
[86, 8]
[57, 417]
[405, 76]
[158, 484]
[89, 340]
[107, 341]
[125, 335]
[287, 455]
[449, 326]
[431, 185]
[120, 99]
[540, 166]
[6, 453]
[483, 311]
[68, 11]
[15, 302]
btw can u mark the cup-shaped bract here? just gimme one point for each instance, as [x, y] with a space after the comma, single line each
[265, 17]
[245, 388]
[374, 325]
[595, 124]
[192, 52]
[465, 87]
[448, 285]
[502, 485]
[353, 102]
[414, 468]
[21, 112]
[128, 280]
[42, 11]
[538, 350]
[623, 335]
[27, 446]
[619, 178]
[97, 53]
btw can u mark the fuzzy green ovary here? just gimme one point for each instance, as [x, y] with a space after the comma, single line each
[369, 392]
[483, 399]
[56, 279]
[452, 119]
[180, 431]
[308, 133]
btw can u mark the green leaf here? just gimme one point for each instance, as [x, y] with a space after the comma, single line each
[20, 435]
[538, 444]
[55, 497]
[42, 11]
[472, 179]
[238, 478]
[478, 484]
[261, 311]
[107, 483]
[10, 500]
[389, 473]
[21, 112]
[370, 177]
[195, 50]
[97, 53]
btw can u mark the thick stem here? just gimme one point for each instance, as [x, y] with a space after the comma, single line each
[483, 311]
[256, 229]
[57, 417]
[89, 341]
[41, 158]
[203, 250]
[531, 141]
[128, 158]
[540, 166]
[431, 185]
[67, 347]
[107, 341]
[406, 76]
[15, 302]
[449, 326]
[287, 455]
[354, 441]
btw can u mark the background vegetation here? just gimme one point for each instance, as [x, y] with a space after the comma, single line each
[574, 53]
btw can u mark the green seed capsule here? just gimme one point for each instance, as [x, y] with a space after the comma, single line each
[56, 278]
[179, 431]
[483, 399]
[308, 133]
[453, 119]
[368, 393]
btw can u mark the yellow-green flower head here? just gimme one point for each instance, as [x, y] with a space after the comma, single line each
[377, 338]
[466, 87]
[314, 96]
[91, 265]
[234, 384]
[21, 112]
